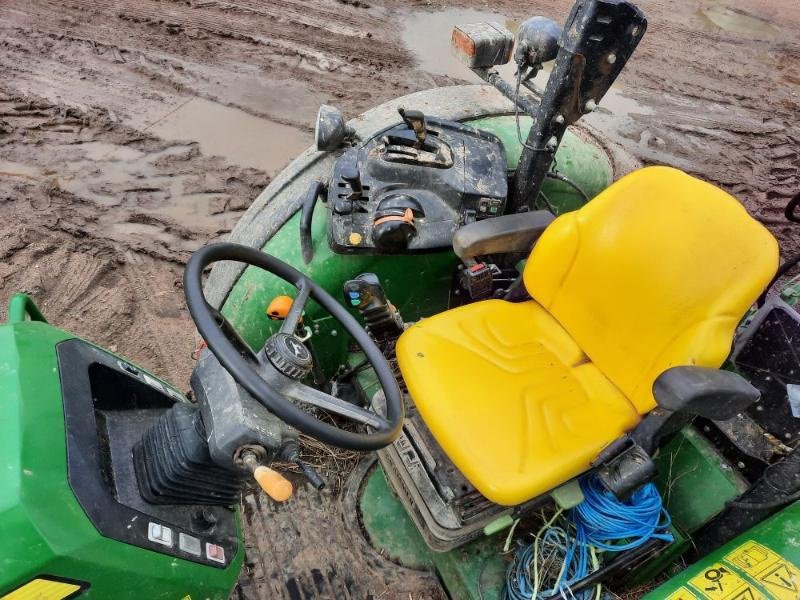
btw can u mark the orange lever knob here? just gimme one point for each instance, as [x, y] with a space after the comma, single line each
[275, 485]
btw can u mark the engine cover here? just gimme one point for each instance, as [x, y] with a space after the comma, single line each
[393, 193]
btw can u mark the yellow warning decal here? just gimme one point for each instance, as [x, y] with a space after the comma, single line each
[778, 576]
[46, 589]
[718, 582]
[681, 594]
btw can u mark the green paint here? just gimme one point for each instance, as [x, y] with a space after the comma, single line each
[694, 480]
[389, 527]
[417, 284]
[21, 307]
[780, 533]
[462, 570]
[585, 164]
[42, 527]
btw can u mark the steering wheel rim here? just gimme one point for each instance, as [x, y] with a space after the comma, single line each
[244, 372]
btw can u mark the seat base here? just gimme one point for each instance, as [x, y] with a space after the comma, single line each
[446, 509]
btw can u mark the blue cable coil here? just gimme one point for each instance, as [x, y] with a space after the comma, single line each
[600, 523]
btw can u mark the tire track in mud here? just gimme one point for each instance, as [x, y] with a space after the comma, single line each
[90, 229]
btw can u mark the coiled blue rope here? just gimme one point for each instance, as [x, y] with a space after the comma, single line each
[600, 522]
[610, 524]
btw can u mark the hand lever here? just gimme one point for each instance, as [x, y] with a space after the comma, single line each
[275, 485]
[352, 176]
[366, 293]
[415, 119]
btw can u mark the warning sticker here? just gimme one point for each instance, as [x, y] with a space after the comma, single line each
[778, 575]
[718, 582]
[681, 594]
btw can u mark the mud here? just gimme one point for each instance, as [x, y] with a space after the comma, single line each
[134, 131]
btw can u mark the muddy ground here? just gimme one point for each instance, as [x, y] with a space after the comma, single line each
[134, 131]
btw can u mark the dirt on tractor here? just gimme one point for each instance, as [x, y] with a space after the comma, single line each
[134, 131]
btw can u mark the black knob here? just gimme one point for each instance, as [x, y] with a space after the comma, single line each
[289, 355]
[351, 175]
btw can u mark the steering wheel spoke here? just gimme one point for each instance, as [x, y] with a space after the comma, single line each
[309, 395]
[296, 311]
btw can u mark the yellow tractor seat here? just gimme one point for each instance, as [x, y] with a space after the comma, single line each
[655, 272]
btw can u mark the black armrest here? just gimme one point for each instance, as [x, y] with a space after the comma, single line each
[683, 393]
[500, 235]
[710, 393]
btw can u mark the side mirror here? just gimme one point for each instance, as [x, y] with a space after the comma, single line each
[537, 41]
[330, 130]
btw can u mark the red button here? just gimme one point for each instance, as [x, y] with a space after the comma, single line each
[215, 553]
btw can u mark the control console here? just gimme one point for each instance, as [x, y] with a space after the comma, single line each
[409, 187]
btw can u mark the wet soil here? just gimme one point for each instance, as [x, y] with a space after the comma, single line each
[134, 131]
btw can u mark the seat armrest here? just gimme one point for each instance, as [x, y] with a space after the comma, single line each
[683, 393]
[710, 393]
[501, 235]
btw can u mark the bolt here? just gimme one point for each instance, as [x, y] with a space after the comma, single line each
[611, 58]
[787, 436]
[740, 464]
[559, 119]
[334, 333]
[589, 106]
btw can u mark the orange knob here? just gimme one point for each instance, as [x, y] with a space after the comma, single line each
[275, 485]
[279, 307]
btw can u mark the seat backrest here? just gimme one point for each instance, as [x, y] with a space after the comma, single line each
[655, 272]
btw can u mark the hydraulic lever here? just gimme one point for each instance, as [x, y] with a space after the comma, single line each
[366, 293]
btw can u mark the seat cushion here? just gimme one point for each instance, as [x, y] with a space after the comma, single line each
[510, 397]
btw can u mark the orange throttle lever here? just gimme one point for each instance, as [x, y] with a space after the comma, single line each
[275, 485]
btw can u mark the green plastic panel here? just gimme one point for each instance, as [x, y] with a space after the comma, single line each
[462, 571]
[42, 527]
[584, 163]
[694, 480]
[763, 563]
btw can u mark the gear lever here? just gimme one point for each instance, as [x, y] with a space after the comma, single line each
[415, 119]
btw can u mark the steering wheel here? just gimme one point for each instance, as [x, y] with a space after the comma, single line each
[272, 376]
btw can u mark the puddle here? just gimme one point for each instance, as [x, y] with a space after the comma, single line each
[287, 100]
[427, 36]
[240, 138]
[734, 21]
[101, 151]
[19, 170]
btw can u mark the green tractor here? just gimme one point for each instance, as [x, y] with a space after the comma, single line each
[562, 373]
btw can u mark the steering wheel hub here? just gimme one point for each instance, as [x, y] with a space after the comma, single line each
[289, 355]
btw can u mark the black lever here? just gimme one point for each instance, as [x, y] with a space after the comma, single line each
[352, 176]
[306, 214]
[415, 119]
[365, 293]
[291, 453]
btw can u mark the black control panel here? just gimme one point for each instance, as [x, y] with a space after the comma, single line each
[409, 187]
[109, 405]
